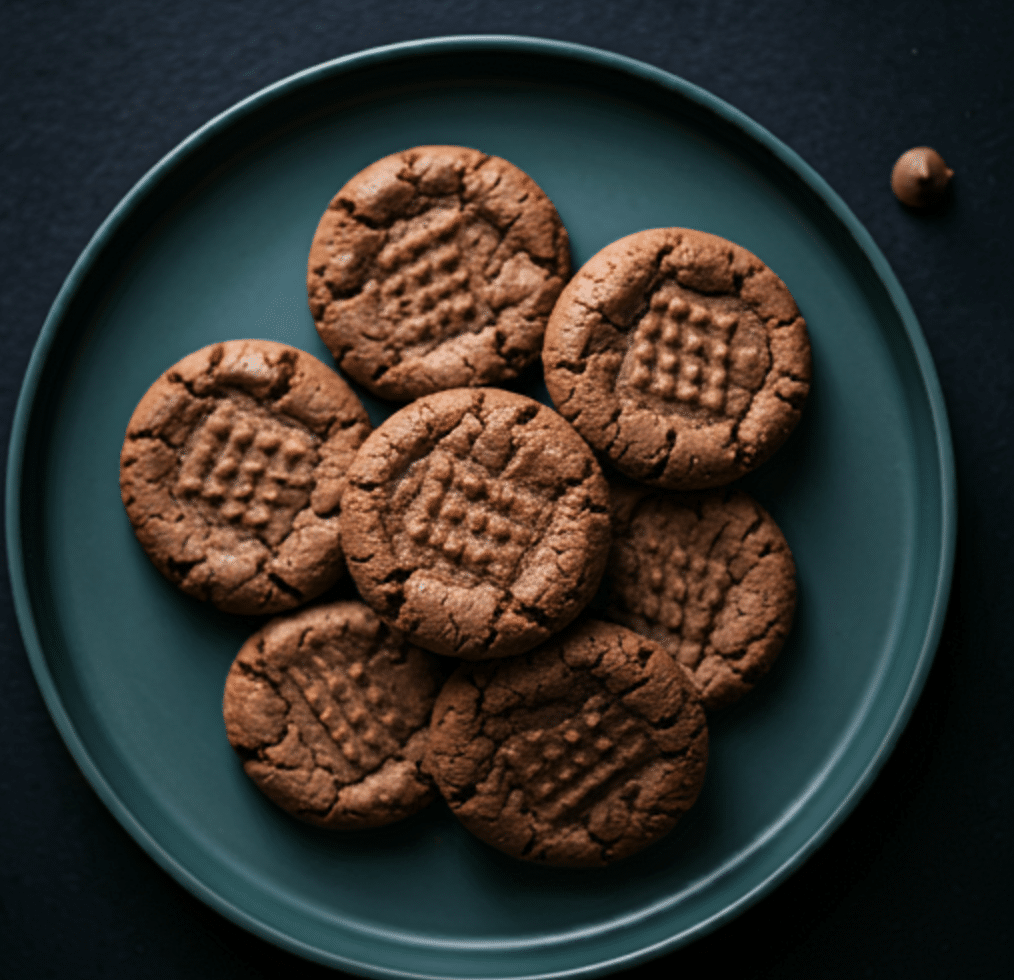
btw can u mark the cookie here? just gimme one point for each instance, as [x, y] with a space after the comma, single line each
[476, 521]
[577, 754]
[436, 268]
[679, 356]
[709, 576]
[232, 474]
[330, 710]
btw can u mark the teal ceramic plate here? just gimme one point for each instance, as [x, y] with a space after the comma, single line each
[211, 245]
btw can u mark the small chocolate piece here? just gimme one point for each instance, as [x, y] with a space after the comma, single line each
[679, 356]
[709, 576]
[477, 522]
[920, 177]
[577, 754]
[436, 268]
[330, 711]
[232, 473]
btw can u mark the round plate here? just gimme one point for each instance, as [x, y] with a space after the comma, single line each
[212, 245]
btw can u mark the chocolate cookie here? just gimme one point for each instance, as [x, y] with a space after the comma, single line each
[476, 521]
[579, 753]
[709, 576]
[233, 469]
[436, 268]
[330, 711]
[679, 356]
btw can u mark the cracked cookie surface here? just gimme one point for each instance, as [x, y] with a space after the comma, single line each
[709, 576]
[679, 356]
[436, 268]
[577, 754]
[232, 473]
[329, 710]
[477, 522]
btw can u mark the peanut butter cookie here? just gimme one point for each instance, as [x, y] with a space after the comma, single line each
[577, 754]
[477, 522]
[232, 474]
[436, 268]
[709, 576]
[679, 356]
[329, 710]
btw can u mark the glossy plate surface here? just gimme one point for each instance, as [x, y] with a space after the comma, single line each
[212, 245]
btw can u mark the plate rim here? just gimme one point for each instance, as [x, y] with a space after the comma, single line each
[461, 44]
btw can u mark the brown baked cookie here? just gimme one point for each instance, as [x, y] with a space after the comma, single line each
[679, 356]
[330, 711]
[233, 469]
[709, 576]
[579, 753]
[477, 522]
[436, 268]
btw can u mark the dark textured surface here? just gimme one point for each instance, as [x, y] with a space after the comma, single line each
[914, 882]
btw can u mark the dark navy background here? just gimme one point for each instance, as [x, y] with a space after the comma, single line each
[916, 882]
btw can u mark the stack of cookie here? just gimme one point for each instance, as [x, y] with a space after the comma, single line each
[477, 523]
